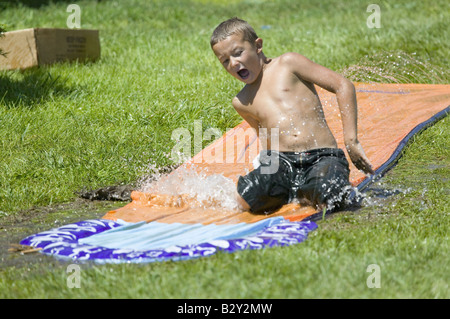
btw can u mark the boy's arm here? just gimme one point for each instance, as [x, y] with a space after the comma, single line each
[346, 98]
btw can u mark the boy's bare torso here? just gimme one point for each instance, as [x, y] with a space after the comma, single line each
[279, 99]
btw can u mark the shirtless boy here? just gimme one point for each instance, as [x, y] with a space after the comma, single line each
[279, 94]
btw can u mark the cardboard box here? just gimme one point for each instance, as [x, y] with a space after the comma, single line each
[40, 46]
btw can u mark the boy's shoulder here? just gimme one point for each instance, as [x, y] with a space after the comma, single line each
[237, 100]
[297, 64]
[290, 58]
[242, 100]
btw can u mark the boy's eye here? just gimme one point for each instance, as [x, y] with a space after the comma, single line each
[224, 62]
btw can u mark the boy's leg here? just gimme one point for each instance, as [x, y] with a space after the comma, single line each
[242, 203]
[263, 192]
[327, 182]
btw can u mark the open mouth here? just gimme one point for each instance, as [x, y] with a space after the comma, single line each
[244, 73]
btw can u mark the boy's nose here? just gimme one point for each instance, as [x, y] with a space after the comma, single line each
[234, 62]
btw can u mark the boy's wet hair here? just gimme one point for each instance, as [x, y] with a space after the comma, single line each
[233, 26]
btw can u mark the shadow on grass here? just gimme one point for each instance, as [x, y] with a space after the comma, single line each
[32, 3]
[27, 88]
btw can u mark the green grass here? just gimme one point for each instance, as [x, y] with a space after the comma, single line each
[71, 126]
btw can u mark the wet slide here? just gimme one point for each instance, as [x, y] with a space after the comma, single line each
[160, 226]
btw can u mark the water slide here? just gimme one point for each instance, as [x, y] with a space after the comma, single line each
[176, 226]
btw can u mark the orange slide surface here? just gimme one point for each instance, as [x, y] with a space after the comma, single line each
[386, 114]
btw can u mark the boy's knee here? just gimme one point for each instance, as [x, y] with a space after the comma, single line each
[242, 203]
[260, 196]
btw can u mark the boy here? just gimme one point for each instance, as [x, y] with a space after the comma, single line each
[279, 95]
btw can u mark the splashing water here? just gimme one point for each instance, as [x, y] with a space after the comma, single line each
[392, 67]
[395, 67]
[381, 192]
[202, 190]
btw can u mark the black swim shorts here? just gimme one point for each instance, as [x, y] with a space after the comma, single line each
[320, 175]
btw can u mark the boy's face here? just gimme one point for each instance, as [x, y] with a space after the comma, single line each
[240, 58]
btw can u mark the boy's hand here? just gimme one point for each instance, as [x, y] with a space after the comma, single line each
[359, 158]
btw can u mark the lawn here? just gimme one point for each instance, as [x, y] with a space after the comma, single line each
[75, 126]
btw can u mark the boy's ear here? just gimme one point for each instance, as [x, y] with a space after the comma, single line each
[259, 45]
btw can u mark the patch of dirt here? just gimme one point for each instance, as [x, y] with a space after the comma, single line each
[17, 226]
